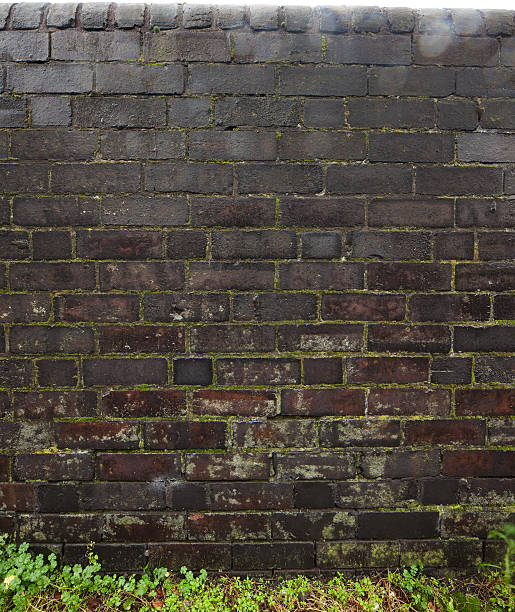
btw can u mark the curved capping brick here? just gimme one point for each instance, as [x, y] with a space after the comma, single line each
[333, 19]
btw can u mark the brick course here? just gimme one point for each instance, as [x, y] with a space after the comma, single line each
[256, 284]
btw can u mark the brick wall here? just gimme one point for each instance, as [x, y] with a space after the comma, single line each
[257, 284]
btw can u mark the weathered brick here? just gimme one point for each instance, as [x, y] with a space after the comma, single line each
[15, 373]
[327, 275]
[411, 81]
[132, 79]
[504, 307]
[498, 114]
[484, 277]
[240, 275]
[230, 79]
[125, 371]
[233, 145]
[69, 466]
[227, 466]
[123, 496]
[417, 213]
[71, 45]
[60, 527]
[459, 553]
[458, 114]
[352, 554]
[487, 82]
[376, 178]
[251, 47]
[400, 464]
[466, 432]
[496, 338]
[496, 245]
[46, 405]
[50, 78]
[145, 210]
[24, 46]
[24, 177]
[274, 306]
[388, 245]
[98, 307]
[471, 524]
[321, 212]
[323, 81]
[96, 178]
[501, 432]
[114, 244]
[143, 144]
[478, 463]
[488, 491]
[234, 403]
[177, 307]
[232, 339]
[44, 339]
[324, 113]
[404, 402]
[17, 496]
[252, 495]
[233, 526]
[142, 275]
[185, 435]
[357, 307]
[449, 307]
[408, 276]
[402, 338]
[97, 435]
[54, 244]
[25, 308]
[321, 145]
[129, 15]
[455, 51]
[48, 276]
[359, 433]
[284, 555]
[119, 112]
[355, 49]
[282, 371]
[314, 465]
[279, 178]
[494, 369]
[412, 147]
[194, 555]
[321, 245]
[189, 112]
[486, 147]
[165, 403]
[185, 176]
[278, 434]
[449, 245]
[322, 402]
[257, 112]
[458, 181]
[57, 373]
[233, 212]
[210, 46]
[392, 113]
[141, 526]
[257, 244]
[145, 467]
[13, 112]
[59, 211]
[324, 337]
[366, 494]
[141, 339]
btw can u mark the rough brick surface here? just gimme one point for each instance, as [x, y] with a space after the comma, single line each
[256, 284]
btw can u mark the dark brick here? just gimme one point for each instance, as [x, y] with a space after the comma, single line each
[46, 405]
[449, 245]
[322, 402]
[189, 112]
[60, 527]
[279, 178]
[351, 49]
[274, 306]
[141, 339]
[233, 212]
[498, 114]
[98, 307]
[409, 402]
[119, 112]
[356, 307]
[314, 465]
[494, 369]
[488, 491]
[468, 432]
[142, 210]
[455, 51]
[23, 46]
[123, 496]
[192, 555]
[25, 308]
[140, 526]
[322, 370]
[471, 524]
[376, 494]
[417, 213]
[133, 79]
[14, 245]
[185, 435]
[242, 276]
[50, 78]
[165, 403]
[232, 338]
[114, 244]
[322, 145]
[187, 496]
[451, 370]
[125, 371]
[485, 213]
[334, 19]
[486, 339]
[227, 466]
[252, 496]
[457, 114]
[143, 144]
[193, 371]
[312, 525]
[409, 276]
[13, 112]
[24, 177]
[56, 144]
[188, 46]
[485, 277]
[274, 434]
[458, 554]
[233, 145]
[504, 307]
[58, 498]
[458, 181]
[258, 244]
[185, 176]
[52, 245]
[17, 496]
[145, 467]
[377, 178]
[388, 245]
[210, 526]
[400, 464]
[357, 432]
[327, 275]
[117, 557]
[478, 463]
[186, 307]
[142, 275]
[411, 147]
[96, 178]
[287, 555]
[57, 373]
[501, 432]
[324, 337]
[485, 82]
[44, 339]
[313, 495]
[321, 245]
[323, 81]
[282, 371]
[230, 79]
[486, 147]
[395, 525]
[15, 373]
[48, 276]
[50, 110]
[258, 112]
[324, 113]
[411, 81]
[488, 402]
[440, 491]
[496, 245]
[401, 370]
[97, 435]
[402, 338]
[321, 212]
[49, 211]
[392, 113]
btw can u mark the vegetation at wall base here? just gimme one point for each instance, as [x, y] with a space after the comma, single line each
[34, 583]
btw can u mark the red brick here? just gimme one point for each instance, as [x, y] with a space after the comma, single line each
[409, 338]
[387, 369]
[145, 467]
[314, 465]
[482, 463]
[139, 276]
[232, 339]
[323, 402]
[95, 435]
[449, 307]
[409, 276]
[278, 371]
[470, 432]
[185, 435]
[275, 434]
[234, 403]
[358, 307]
[98, 308]
[360, 432]
[119, 244]
[164, 403]
[322, 370]
[227, 466]
[48, 276]
[61, 466]
[324, 337]
[408, 402]
[47, 405]
[487, 402]
[141, 339]
[16, 496]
